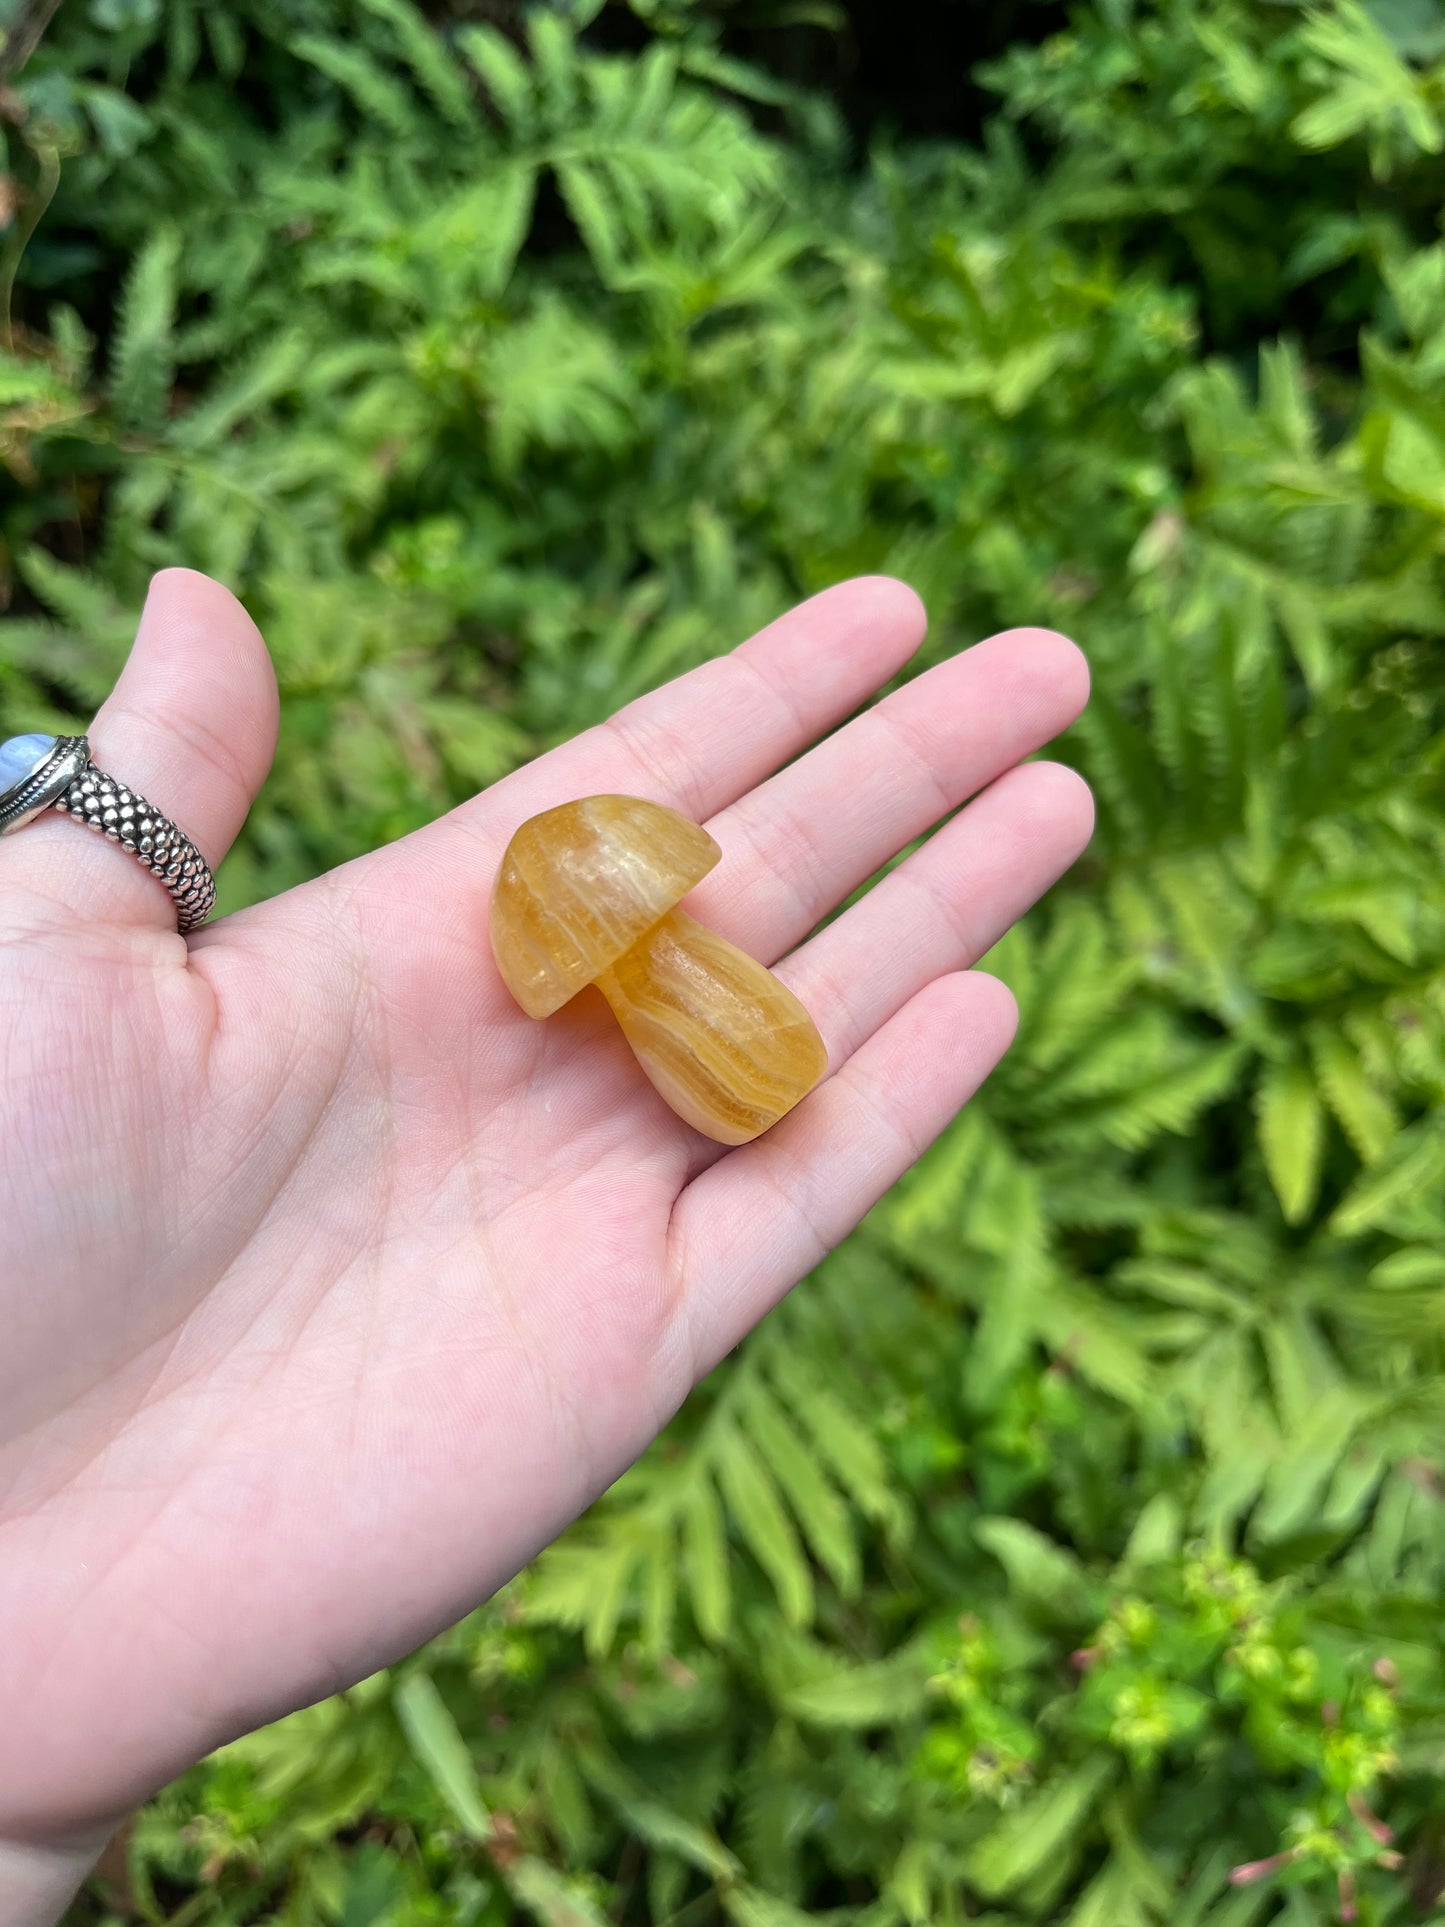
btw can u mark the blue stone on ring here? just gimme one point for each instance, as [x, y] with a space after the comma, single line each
[21, 757]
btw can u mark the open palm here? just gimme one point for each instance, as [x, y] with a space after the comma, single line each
[332, 1286]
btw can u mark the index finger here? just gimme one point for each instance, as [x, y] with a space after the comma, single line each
[700, 742]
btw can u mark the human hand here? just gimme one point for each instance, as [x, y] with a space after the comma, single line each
[334, 1287]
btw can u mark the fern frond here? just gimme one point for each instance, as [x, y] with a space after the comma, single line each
[142, 363]
[425, 55]
[1291, 1136]
[379, 96]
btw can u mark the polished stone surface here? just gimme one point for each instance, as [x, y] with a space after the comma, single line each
[728, 1046]
[21, 756]
[587, 893]
[578, 884]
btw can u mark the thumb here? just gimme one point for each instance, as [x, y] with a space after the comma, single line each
[191, 727]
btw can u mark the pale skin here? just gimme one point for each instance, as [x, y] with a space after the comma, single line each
[331, 1286]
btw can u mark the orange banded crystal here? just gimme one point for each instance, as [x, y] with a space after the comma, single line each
[587, 894]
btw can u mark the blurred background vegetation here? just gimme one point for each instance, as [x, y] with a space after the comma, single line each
[1071, 1547]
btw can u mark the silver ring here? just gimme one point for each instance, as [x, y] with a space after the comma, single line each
[41, 772]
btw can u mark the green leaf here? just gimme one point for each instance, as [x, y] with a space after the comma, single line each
[1158, 1533]
[1291, 1135]
[1040, 1571]
[1034, 1834]
[142, 353]
[669, 1832]
[550, 1897]
[370, 86]
[659, 1594]
[119, 123]
[757, 1511]
[478, 234]
[1121, 1894]
[820, 1513]
[843, 1442]
[594, 211]
[882, 1694]
[653, 1822]
[554, 54]
[1298, 1477]
[440, 1748]
[1367, 1116]
[503, 71]
[422, 51]
[1408, 1268]
[1414, 463]
[1414, 1167]
[705, 1561]
[911, 1883]
[751, 1907]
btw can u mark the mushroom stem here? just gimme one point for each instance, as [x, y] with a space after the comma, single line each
[726, 1044]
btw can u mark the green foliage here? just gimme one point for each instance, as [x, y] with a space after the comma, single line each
[1070, 1547]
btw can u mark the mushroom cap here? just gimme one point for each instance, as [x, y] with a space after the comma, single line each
[580, 884]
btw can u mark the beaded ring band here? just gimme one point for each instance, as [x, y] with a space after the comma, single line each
[38, 773]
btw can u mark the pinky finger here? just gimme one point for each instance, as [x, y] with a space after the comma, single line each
[746, 1229]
